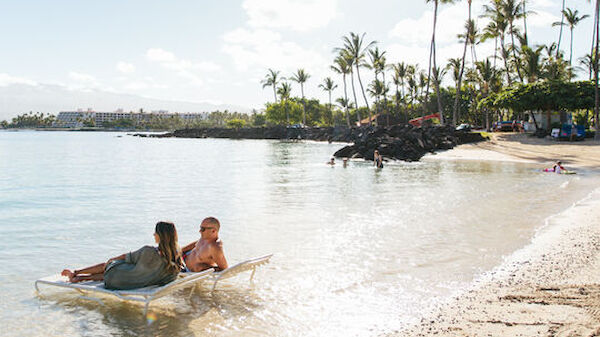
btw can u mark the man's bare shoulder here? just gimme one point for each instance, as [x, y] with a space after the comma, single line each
[218, 244]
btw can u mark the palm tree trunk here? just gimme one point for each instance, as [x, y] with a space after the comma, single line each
[525, 23]
[460, 74]
[431, 56]
[505, 58]
[330, 112]
[562, 22]
[436, 83]
[385, 99]
[596, 100]
[363, 93]
[355, 100]
[303, 105]
[346, 98]
[495, 50]
[514, 50]
[571, 47]
[275, 92]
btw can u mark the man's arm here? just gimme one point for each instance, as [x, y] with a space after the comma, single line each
[220, 259]
[188, 247]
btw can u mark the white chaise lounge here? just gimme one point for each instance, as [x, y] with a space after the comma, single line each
[240, 268]
[88, 289]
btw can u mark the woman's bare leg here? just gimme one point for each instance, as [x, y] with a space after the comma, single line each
[90, 277]
[97, 269]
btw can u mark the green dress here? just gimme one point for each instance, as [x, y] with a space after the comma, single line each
[142, 268]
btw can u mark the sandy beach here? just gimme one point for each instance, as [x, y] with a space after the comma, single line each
[523, 148]
[548, 288]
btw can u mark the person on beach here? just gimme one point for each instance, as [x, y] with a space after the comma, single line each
[345, 161]
[208, 251]
[331, 161]
[145, 267]
[377, 159]
[558, 168]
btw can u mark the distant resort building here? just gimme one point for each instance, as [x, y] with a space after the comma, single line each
[81, 118]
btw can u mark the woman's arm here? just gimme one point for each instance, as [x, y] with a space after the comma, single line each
[120, 257]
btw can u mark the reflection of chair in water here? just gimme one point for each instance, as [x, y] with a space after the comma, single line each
[91, 289]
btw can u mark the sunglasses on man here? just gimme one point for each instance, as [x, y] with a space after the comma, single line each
[202, 229]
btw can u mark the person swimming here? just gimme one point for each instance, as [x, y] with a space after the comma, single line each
[558, 168]
[331, 162]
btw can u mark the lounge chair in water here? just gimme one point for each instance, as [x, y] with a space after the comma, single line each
[91, 289]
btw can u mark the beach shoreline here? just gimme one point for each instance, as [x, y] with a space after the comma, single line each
[551, 286]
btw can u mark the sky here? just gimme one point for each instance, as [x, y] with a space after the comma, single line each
[218, 51]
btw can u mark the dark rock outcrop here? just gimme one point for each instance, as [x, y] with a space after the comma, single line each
[401, 142]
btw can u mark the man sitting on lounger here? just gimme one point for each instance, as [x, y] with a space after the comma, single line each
[208, 251]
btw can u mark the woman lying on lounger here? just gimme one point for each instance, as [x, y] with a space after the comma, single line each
[145, 267]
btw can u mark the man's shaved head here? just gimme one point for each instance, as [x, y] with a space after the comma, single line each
[212, 222]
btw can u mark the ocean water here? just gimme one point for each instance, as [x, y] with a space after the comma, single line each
[358, 251]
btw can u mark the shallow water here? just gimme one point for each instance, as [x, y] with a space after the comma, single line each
[358, 251]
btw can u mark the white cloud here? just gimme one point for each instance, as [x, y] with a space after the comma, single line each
[124, 67]
[82, 78]
[541, 19]
[451, 22]
[145, 83]
[266, 49]
[299, 15]
[6, 80]
[184, 68]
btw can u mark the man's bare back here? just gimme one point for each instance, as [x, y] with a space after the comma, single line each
[206, 252]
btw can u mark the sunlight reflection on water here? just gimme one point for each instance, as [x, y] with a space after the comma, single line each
[357, 251]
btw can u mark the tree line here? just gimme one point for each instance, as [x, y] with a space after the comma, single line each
[406, 91]
[217, 118]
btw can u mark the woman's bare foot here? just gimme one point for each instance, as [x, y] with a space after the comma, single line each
[68, 274]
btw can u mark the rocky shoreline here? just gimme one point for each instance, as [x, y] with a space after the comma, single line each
[400, 142]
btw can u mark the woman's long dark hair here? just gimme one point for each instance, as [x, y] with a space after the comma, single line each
[168, 246]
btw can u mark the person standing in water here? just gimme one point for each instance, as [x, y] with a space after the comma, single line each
[377, 159]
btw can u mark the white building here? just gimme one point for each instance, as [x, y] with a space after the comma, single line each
[74, 119]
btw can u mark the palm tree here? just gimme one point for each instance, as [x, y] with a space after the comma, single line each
[525, 12]
[378, 63]
[572, 20]
[400, 72]
[355, 47]
[513, 10]
[497, 28]
[284, 92]
[531, 61]
[594, 52]
[587, 63]
[489, 79]
[271, 80]
[341, 67]
[301, 77]
[328, 85]
[469, 25]
[562, 24]
[345, 104]
[377, 89]
[432, 54]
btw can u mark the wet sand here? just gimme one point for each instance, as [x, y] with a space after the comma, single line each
[548, 288]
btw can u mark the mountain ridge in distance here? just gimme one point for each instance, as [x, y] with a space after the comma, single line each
[16, 99]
